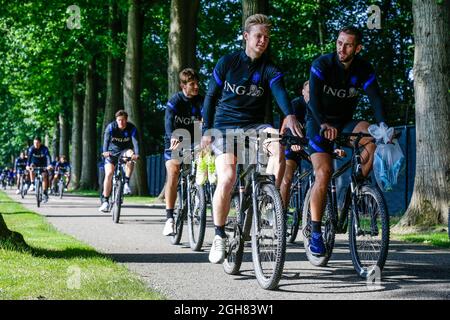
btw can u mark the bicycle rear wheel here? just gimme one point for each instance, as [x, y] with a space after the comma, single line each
[179, 216]
[369, 231]
[197, 217]
[328, 231]
[117, 202]
[38, 192]
[269, 237]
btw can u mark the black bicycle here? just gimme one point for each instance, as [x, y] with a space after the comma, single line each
[256, 214]
[364, 211]
[118, 183]
[191, 203]
[38, 184]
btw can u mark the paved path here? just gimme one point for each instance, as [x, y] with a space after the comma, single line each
[411, 272]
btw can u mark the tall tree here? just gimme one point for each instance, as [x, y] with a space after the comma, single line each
[90, 152]
[63, 131]
[182, 40]
[132, 89]
[77, 127]
[431, 196]
[113, 81]
[55, 139]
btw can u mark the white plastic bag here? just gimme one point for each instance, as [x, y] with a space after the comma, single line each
[389, 160]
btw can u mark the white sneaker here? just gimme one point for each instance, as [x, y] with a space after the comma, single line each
[104, 207]
[32, 187]
[126, 189]
[169, 228]
[217, 253]
[18, 191]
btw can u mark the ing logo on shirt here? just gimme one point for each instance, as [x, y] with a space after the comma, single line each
[252, 90]
[185, 120]
[340, 93]
[120, 139]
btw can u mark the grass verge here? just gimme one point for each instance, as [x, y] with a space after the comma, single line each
[57, 266]
[131, 199]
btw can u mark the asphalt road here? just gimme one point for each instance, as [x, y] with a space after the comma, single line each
[411, 272]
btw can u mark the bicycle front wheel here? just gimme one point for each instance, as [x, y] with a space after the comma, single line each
[117, 204]
[61, 188]
[197, 217]
[369, 231]
[269, 237]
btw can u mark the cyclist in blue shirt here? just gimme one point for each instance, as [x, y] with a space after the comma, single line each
[334, 80]
[39, 157]
[240, 86]
[183, 110]
[51, 173]
[62, 168]
[20, 166]
[293, 158]
[120, 140]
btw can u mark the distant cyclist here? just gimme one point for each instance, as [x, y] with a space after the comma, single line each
[182, 110]
[334, 80]
[20, 166]
[63, 168]
[121, 140]
[51, 173]
[39, 156]
[293, 158]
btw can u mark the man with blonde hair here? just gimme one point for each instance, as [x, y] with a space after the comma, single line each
[237, 95]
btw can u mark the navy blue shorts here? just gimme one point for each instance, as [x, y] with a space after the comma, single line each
[320, 144]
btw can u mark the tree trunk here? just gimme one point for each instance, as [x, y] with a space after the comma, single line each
[251, 7]
[55, 140]
[90, 152]
[182, 40]
[10, 238]
[431, 196]
[64, 133]
[77, 127]
[132, 90]
[113, 96]
[320, 27]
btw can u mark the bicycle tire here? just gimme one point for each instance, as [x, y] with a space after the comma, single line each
[38, 192]
[328, 231]
[179, 217]
[117, 204]
[269, 280]
[292, 229]
[363, 270]
[197, 217]
[235, 243]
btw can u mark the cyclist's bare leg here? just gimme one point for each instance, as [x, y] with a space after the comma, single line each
[285, 187]
[368, 151]
[276, 164]
[107, 183]
[323, 170]
[226, 177]
[130, 164]
[173, 172]
[67, 180]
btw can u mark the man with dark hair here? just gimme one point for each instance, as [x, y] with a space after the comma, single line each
[39, 157]
[120, 140]
[182, 111]
[334, 80]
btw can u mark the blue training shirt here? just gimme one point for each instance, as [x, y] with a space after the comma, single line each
[334, 90]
